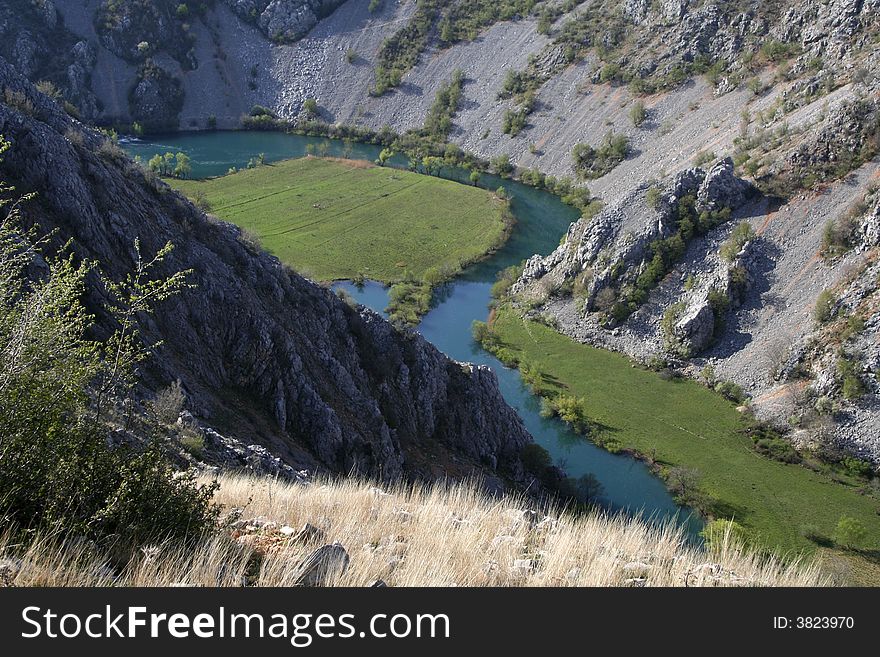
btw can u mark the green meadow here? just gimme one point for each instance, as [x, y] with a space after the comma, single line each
[339, 219]
[682, 423]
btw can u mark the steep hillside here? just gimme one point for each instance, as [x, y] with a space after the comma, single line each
[260, 351]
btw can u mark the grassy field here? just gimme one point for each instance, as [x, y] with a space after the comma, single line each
[438, 536]
[339, 219]
[682, 423]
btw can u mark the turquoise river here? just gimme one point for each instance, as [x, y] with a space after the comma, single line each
[542, 219]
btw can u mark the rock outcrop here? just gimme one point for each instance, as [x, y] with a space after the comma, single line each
[261, 352]
[612, 246]
[155, 101]
[284, 20]
[35, 40]
[137, 29]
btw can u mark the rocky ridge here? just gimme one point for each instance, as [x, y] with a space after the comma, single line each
[260, 351]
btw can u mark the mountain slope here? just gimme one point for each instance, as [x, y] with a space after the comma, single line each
[260, 351]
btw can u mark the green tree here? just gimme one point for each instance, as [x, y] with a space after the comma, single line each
[156, 164]
[850, 532]
[183, 167]
[475, 178]
[502, 165]
[432, 165]
[384, 155]
[683, 482]
[824, 308]
[167, 163]
[310, 105]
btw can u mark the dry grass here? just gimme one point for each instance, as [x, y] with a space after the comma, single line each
[437, 536]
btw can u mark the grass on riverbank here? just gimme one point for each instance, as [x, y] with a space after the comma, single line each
[338, 219]
[681, 423]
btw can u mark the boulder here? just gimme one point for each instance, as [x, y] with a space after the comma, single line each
[695, 327]
[322, 566]
[871, 226]
[287, 20]
[309, 533]
[721, 188]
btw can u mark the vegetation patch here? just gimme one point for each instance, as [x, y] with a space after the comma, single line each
[591, 163]
[451, 22]
[338, 219]
[679, 423]
[663, 254]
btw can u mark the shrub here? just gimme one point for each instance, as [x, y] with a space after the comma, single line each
[854, 326]
[351, 55]
[755, 86]
[48, 88]
[201, 201]
[667, 328]
[638, 113]
[594, 163]
[57, 472]
[769, 442]
[704, 157]
[259, 110]
[732, 246]
[653, 196]
[502, 165]
[18, 100]
[310, 106]
[850, 532]
[777, 51]
[719, 302]
[605, 299]
[169, 403]
[193, 443]
[824, 405]
[438, 122]
[514, 121]
[857, 467]
[838, 234]
[731, 391]
[825, 306]
[852, 387]
[851, 384]
[683, 482]
[504, 279]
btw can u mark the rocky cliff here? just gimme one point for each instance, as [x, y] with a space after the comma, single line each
[260, 351]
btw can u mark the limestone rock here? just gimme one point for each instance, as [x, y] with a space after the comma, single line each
[284, 20]
[322, 566]
[696, 326]
[721, 188]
